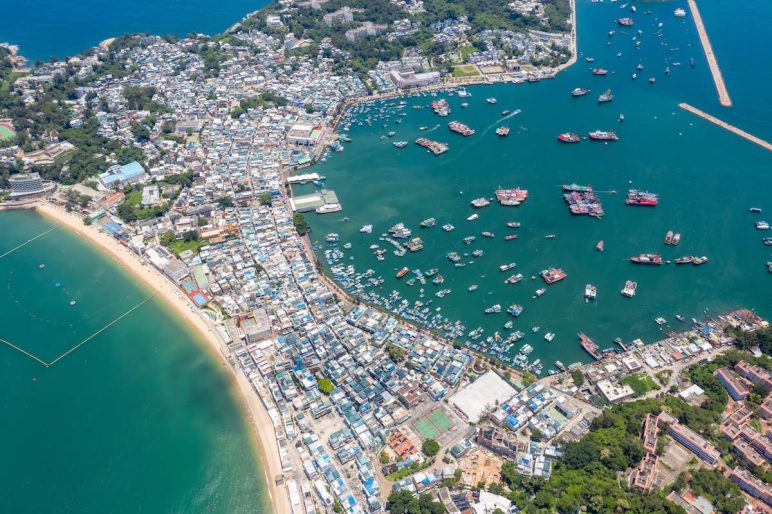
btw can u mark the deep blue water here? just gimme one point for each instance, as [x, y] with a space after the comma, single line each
[50, 27]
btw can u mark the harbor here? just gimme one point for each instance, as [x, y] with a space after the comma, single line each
[408, 186]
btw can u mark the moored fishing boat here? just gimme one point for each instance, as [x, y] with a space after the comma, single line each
[629, 289]
[647, 258]
[553, 275]
[569, 137]
[599, 246]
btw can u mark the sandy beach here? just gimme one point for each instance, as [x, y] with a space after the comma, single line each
[261, 424]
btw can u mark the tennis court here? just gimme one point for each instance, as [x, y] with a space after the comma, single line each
[440, 420]
[426, 429]
[433, 424]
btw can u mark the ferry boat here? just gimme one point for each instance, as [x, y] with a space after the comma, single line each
[479, 203]
[589, 346]
[447, 227]
[599, 246]
[642, 198]
[329, 208]
[669, 237]
[647, 258]
[502, 131]
[539, 292]
[579, 91]
[590, 291]
[513, 224]
[401, 273]
[686, 259]
[366, 229]
[507, 267]
[515, 310]
[600, 135]
[699, 260]
[553, 275]
[629, 289]
[491, 100]
[569, 137]
[427, 223]
[599, 71]
[332, 237]
[460, 128]
[400, 144]
[510, 237]
[493, 309]
[679, 13]
[605, 97]
[549, 336]
[625, 22]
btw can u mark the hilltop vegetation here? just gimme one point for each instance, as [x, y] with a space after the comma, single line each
[366, 52]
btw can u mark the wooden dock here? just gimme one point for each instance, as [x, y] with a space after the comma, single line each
[724, 125]
[723, 94]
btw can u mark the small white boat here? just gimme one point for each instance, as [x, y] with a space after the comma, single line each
[473, 217]
[549, 336]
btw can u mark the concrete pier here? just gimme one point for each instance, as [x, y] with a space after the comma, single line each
[723, 94]
[724, 125]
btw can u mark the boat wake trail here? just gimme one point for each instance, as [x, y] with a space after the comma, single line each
[498, 122]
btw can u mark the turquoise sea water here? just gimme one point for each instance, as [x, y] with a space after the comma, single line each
[47, 27]
[139, 419]
[706, 178]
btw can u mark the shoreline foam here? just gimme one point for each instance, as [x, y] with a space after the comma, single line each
[261, 425]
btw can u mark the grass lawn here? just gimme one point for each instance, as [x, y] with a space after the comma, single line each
[640, 383]
[134, 198]
[467, 50]
[466, 70]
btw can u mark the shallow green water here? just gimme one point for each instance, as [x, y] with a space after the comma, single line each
[139, 419]
[706, 178]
